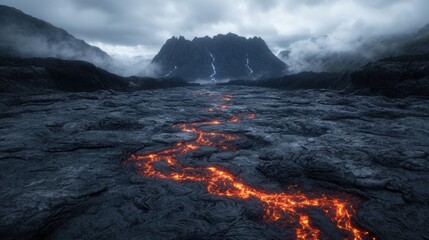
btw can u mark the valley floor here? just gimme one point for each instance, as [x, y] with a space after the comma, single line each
[67, 169]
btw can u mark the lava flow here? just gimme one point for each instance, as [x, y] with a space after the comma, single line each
[286, 209]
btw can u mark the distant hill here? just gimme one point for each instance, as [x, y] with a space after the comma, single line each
[22, 35]
[304, 80]
[366, 51]
[23, 75]
[399, 76]
[221, 57]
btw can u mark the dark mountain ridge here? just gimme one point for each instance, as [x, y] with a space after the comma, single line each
[304, 80]
[221, 57]
[25, 75]
[401, 76]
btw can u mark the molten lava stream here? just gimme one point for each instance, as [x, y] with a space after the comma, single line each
[277, 206]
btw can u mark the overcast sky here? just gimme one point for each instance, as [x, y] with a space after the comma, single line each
[140, 27]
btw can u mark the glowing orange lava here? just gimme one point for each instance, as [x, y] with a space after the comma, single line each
[286, 209]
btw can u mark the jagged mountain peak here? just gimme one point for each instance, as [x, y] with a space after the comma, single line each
[223, 56]
[229, 35]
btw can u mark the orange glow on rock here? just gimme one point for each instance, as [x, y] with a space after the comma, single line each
[227, 98]
[286, 209]
[234, 119]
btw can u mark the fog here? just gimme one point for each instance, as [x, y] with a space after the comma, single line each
[24, 40]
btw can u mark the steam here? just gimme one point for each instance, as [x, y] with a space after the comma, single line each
[310, 54]
[131, 60]
[26, 43]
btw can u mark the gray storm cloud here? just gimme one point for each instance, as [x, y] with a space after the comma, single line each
[283, 24]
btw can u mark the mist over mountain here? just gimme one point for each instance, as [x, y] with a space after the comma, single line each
[221, 57]
[22, 35]
[337, 53]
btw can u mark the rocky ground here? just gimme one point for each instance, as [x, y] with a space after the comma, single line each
[64, 174]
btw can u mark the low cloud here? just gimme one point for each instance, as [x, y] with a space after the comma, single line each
[25, 40]
[130, 60]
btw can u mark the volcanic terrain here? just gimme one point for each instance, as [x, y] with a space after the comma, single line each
[209, 162]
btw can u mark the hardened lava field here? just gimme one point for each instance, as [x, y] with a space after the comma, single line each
[213, 163]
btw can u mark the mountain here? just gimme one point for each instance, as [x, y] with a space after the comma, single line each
[322, 59]
[22, 35]
[221, 57]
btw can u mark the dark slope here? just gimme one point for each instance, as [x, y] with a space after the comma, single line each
[395, 77]
[57, 74]
[305, 80]
[221, 57]
[22, 35]
[35, 74]
[401, 76]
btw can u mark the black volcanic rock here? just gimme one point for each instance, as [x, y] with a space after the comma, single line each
[62, 176]
[145, 83]
[22, 35]
[221, 57]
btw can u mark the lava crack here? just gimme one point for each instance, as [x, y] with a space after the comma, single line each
[286, 209]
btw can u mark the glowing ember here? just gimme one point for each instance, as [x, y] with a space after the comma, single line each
[286, 209]
[227, 98]
[234, 119]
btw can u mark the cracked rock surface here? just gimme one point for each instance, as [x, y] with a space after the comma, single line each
[62, 174]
